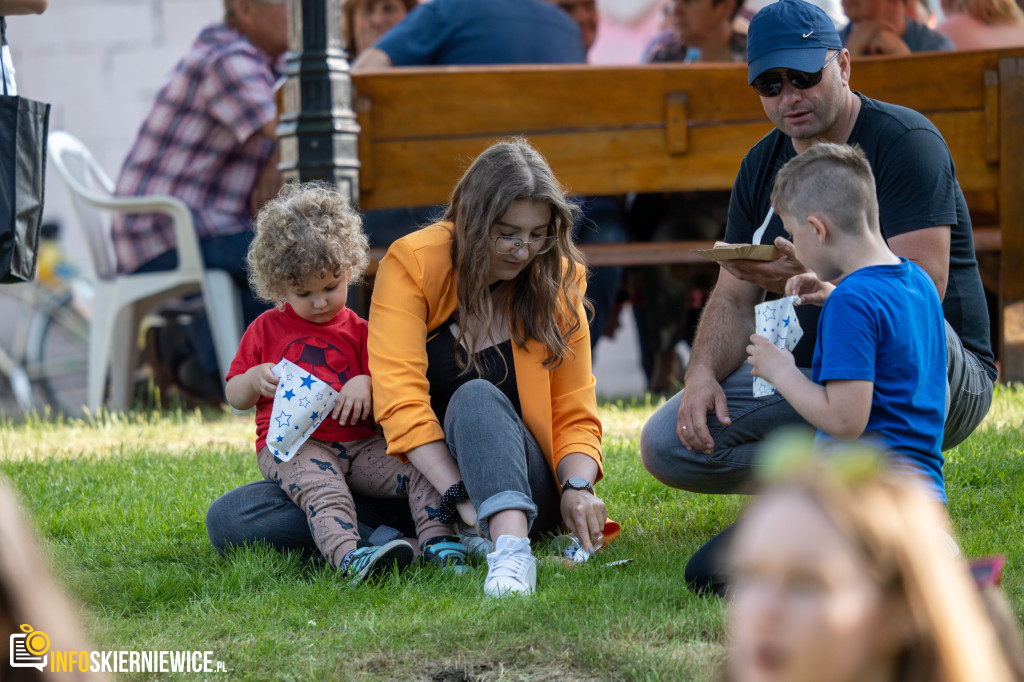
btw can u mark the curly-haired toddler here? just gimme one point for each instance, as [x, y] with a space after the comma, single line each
[309, 245]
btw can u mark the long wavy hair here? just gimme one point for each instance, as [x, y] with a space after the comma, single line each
[903, 535]
[544, 299]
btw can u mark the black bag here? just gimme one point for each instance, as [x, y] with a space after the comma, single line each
[23, 129]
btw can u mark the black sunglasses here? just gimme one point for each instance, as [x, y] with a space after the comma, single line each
[769, 84]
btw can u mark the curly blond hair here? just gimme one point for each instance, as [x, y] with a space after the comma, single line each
[307, 230]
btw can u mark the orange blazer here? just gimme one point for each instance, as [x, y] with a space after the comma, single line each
[413, 295]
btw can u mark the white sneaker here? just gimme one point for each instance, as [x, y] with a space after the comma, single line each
[512, 569]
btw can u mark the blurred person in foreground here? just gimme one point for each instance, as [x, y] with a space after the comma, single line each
[843, 571]
[31, 598]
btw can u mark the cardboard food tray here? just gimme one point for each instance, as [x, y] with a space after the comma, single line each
[740, 251]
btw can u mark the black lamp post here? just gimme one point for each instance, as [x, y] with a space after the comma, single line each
[318, 132]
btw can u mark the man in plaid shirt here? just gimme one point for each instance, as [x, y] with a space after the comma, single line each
[210, 141]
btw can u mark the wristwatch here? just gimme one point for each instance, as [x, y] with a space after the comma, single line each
[577, 483]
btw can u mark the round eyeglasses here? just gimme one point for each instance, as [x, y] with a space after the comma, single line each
[505, 245]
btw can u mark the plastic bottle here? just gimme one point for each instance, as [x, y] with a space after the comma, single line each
[570, 547]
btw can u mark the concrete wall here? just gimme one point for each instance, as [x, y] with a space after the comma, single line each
[100, 63]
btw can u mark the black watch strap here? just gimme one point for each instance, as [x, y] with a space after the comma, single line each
[577, 483]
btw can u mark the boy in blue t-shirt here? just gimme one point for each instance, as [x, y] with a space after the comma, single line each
[879, 368]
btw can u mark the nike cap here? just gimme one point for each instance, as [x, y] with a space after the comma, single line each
[789, 34]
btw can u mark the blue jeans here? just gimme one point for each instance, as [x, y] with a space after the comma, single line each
[729, 469]
[500, 461]
[969, 391]
[262, 512]
[219, 253]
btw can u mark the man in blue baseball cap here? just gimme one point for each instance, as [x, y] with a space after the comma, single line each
[706, 438]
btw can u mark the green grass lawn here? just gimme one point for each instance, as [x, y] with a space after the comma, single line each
[120, 504]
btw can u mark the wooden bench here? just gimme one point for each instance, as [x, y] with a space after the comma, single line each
[612, 130]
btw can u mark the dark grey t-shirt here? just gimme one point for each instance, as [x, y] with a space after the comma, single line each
[917, 188]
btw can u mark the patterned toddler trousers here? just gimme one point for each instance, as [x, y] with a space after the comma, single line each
[321, 478]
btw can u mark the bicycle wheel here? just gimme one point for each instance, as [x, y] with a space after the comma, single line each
[57, 354]
[17, 396]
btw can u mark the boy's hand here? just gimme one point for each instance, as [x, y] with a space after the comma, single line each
[263, 380]
[809, 288]
[353, 404]
[766, 359]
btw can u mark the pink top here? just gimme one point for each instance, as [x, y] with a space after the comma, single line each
[967, 33]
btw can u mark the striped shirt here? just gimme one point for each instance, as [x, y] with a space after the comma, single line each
[199, 143]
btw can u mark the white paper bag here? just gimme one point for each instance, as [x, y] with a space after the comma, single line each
[301, 403]
[776, 321]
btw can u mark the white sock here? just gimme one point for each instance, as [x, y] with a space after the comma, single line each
[506, 541]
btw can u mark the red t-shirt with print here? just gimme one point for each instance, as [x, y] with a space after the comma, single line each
[333, 352]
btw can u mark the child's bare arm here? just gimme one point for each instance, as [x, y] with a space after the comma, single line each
[839, 408]
[243, 390]
[354, 404]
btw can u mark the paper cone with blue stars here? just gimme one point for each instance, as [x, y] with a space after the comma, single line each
[301, 403]
[776, 321]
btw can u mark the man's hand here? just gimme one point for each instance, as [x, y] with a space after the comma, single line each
[699, 398]
[769, 275]
[810, 289]
[871, 36]
[353, 404]
[766, 359]
[861, 34]
[584, 514]
[888, 42]
[268, 184]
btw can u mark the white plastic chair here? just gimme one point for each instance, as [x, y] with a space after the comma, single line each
[121, 300]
